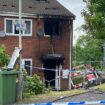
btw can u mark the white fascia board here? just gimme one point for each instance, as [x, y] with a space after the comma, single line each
[14, 14]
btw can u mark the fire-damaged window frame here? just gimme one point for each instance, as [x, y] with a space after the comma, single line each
[51, 27]
[30, 66]
[12, 27]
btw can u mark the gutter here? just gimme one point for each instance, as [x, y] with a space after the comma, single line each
[14, 14]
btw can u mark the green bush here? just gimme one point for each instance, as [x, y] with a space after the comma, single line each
[34, 85]
[4, 58]
[77, 80]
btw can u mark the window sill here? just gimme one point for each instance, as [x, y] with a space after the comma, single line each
[28, 35]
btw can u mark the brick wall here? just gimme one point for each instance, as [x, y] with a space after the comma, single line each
[34, 46]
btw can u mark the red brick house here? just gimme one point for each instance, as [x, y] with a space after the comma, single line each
[46, 40]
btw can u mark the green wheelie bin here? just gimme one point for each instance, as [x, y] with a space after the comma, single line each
[7, 87]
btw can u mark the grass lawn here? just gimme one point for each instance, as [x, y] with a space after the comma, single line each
[59, 94]
[101, 87]
[53, 95]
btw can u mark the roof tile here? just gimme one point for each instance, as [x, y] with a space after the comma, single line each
[40, 7]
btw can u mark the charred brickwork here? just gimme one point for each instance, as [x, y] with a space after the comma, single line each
[34, 46]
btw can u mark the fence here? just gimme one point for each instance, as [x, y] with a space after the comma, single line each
[57, 79]
[97, 64]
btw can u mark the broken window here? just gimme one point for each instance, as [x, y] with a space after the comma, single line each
[51, 27]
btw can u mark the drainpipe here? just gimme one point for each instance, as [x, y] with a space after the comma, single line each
[56, 78]
[60, 69]
[71, 38]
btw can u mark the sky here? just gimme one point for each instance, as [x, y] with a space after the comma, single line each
[76, 7]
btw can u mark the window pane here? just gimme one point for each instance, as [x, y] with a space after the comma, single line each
[16, 31]
[48, 27]
[27, 67]
[8, 26]
[51, 27]
[28, 27]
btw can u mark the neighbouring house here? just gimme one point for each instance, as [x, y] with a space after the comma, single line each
[46, 38]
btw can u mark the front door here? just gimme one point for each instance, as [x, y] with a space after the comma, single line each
[49, 73]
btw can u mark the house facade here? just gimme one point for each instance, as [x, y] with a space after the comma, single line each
[46, 37]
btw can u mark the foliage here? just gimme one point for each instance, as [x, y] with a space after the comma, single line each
[4, 58]
[34, 85]
[77, 80]
[89, 46]
[52, 95]
[94, 16]
[87, 49]
[102, 87]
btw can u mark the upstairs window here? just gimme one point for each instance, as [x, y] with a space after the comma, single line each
[51, 27]
[10, 27]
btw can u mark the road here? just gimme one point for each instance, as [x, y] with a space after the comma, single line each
[92, 95]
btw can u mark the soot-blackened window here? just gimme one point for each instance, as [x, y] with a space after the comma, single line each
[51, 27]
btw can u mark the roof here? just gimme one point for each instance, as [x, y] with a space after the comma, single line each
[36, 7]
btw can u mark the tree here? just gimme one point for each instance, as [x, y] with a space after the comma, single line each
[87, 49]
[94, 16]
[4, 58]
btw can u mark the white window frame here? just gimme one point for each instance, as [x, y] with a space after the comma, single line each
[45, 35]
[23, 66]
[13, 34]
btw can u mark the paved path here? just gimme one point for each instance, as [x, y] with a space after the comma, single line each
[92, 95]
